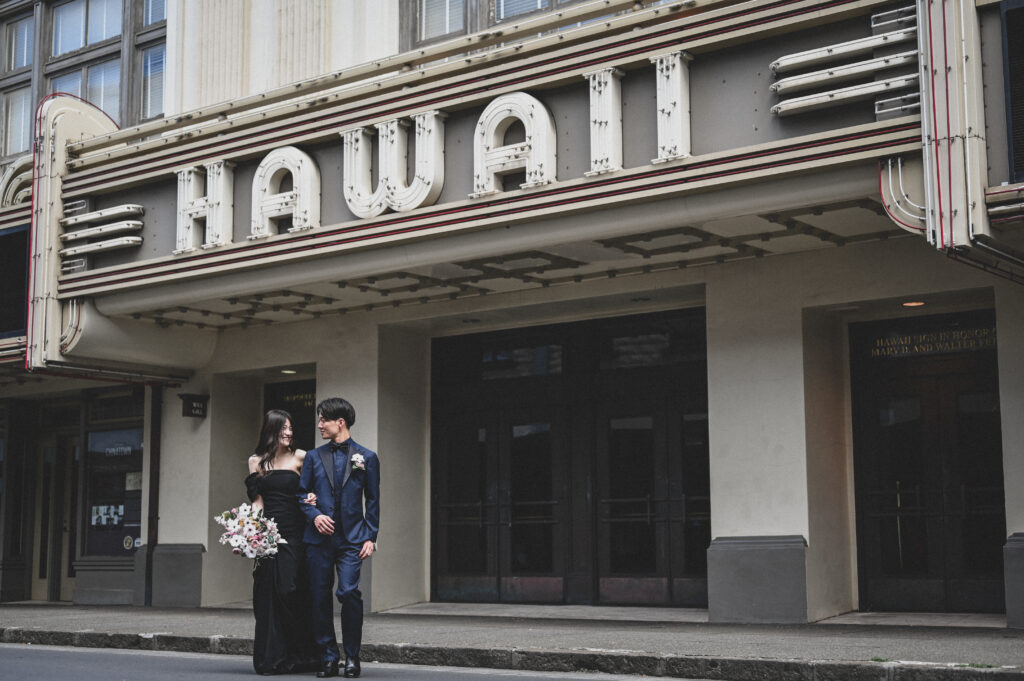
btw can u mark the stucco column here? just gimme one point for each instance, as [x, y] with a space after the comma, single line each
[1010, 340]
[756, 563]
[402, 570]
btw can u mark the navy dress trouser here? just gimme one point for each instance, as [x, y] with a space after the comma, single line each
[323, 559]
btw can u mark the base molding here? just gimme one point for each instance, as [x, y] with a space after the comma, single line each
[761, 579]
[178, 575]
[104, 581]
[1013, 579]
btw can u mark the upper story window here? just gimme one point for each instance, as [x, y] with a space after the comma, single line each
[17, 120]
[153, 81]
[506, 9]
[439, 18]
[426, 21]
[102, 85]
[109, 52]
[20, 36]
[155, 11]
[83, 22]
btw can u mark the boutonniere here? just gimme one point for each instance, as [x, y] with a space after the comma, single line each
[358, 462]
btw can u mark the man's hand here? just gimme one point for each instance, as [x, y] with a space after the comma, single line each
[323, 524]
[367, 550]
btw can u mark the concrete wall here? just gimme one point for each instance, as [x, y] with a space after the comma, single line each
[230, 49]
[401, 568]
[755, 404]
[831, 554]
[1010, 340]
[235, 412]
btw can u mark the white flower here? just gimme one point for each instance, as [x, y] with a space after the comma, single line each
[358, 462]
[248, 532]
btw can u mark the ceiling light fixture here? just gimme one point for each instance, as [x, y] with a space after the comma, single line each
[914, 303]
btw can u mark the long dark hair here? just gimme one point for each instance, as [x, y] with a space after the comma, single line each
[266, 447]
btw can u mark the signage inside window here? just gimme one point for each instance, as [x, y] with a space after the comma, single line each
[113, 492]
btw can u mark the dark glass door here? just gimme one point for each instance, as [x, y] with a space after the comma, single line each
[532, 507]
[56, 518]
[500, 508]
[928, 459]
[653, 506]
[570, 463]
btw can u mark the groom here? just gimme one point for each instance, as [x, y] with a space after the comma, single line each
[342, 474]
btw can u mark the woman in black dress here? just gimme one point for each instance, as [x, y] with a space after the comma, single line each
[280, 588]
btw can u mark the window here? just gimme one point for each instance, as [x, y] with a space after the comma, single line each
[441, 17]
[13, 280]
[155, 10]
[113, 492]
[83, 22]
[506, 9]
[19, 44]
[153, 82]
[425, 21]
[102, 86]
[17, 108]
[105, 87]
[109, 52]
[1013, 65]
[71, 83]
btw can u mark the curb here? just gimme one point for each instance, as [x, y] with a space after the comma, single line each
[623, 663]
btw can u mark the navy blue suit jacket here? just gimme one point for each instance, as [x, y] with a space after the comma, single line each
[350, 521]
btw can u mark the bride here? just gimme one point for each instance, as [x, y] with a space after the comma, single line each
[280, 589]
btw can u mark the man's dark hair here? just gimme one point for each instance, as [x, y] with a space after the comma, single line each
[337, 408]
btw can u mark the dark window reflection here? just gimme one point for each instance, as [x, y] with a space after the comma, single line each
[465, 510]
[539, 360]
[631, 496]
[531, 495]
[902, 494]
[978, 464]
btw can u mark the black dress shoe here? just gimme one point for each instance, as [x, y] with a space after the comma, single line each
[351, 667]
[328, 670]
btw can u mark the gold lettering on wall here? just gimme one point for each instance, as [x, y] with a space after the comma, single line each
[922, 343]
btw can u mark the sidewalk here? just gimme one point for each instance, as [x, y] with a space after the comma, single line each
[643, 641]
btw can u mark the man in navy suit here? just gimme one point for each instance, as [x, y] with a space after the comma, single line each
[342, 474]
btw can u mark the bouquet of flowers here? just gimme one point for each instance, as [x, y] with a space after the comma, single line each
[248, 532]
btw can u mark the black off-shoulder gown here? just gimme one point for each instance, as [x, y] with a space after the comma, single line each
[281, 600]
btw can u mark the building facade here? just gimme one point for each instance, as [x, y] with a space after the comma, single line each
[704, 304]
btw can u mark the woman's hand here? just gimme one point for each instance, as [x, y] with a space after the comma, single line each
[310, 499]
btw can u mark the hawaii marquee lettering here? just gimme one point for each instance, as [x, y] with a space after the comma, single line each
[205, 210]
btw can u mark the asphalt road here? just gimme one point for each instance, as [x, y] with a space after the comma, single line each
[19, 662]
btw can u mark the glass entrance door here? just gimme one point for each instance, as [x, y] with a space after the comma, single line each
[532, 508]
[500, 507]
[928, 460]
[653, 508]
[55, 533]
[570, 464]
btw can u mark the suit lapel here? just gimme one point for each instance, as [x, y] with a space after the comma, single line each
[348, 465]
[327, 459]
